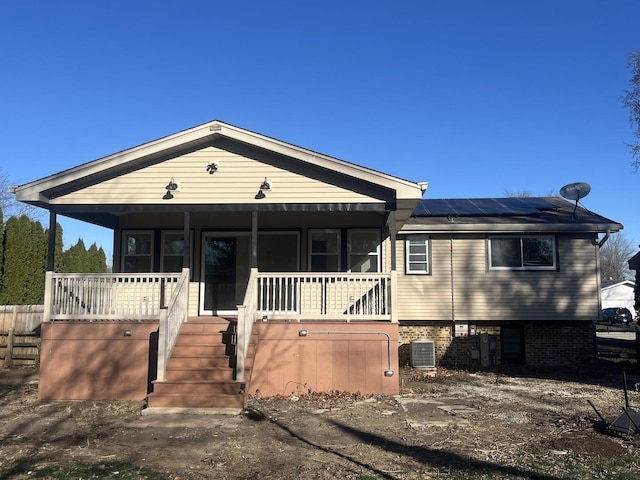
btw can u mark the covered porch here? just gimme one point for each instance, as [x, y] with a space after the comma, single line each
[290, 327]
[217, 222]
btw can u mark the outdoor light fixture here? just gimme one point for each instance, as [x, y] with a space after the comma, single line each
[263, 186]
[171, 186]
[387, 373]
[212, 168]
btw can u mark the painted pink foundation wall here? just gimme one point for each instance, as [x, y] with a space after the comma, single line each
[81, 361]
[286, 363]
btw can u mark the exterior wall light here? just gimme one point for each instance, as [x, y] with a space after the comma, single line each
[263, 186]
[171, 187]
[387, 373]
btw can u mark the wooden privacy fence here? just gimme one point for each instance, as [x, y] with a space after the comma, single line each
[20, 334]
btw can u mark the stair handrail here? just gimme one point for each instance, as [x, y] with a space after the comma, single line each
[171, 319]
[246, 318]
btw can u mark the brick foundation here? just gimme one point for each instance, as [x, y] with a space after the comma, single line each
[546, 343]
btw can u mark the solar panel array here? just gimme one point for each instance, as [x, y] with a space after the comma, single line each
[476, 207]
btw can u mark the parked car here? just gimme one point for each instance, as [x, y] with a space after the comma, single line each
[614, 315]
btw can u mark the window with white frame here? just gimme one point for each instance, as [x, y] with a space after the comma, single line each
[522, 253]
[324, 250]
[172, 251]
[137, 252]
[417, 255]
[364, 250]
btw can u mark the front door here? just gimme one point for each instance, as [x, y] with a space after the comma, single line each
[225, 271]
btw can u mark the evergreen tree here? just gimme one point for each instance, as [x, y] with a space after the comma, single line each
[24, 262]
[97, 259]
[59, 249]
[34, 294]
[76, 258]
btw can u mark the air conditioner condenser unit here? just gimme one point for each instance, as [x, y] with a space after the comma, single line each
[423, 353]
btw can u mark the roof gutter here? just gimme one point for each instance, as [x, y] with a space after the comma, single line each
[502, 228]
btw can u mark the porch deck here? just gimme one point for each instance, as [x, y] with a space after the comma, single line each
[200, 363]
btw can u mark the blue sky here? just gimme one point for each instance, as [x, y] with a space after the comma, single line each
[476, 97]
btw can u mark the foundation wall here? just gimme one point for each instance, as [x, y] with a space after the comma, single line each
[346, 359]
[91, 361]
[544, 343]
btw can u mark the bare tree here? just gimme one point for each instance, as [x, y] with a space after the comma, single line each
[614, 258]
[12, 208]
[631, 100]
[528, 193]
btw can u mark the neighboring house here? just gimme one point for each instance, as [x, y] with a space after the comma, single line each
[619, 294]
[246, 265]
[634, 262]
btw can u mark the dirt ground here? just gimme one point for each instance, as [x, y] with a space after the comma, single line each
[454, 424]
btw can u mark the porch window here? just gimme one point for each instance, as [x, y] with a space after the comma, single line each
[522, 253]
[138, 252]
[172, 252]
[278, 252]
[417, 254]
[364, 250]
[324, 250]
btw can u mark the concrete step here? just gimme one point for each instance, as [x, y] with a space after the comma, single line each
[196, 401]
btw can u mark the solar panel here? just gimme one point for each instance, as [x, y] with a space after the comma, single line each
[475, 207]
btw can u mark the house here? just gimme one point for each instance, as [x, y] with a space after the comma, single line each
[246, 265]
[620, 294]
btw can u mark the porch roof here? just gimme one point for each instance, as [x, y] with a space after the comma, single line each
[386, 192]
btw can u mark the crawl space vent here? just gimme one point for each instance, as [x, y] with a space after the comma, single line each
[423, 354]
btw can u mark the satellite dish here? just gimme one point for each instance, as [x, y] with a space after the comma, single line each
[575, 191]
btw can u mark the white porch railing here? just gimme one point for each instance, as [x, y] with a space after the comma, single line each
[246, 319]
[171, 319]
[121, 296]
[316, 296]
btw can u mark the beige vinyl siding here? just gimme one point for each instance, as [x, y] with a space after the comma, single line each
[570, 293]
[237, 181]
[425, 297]
[194, 298]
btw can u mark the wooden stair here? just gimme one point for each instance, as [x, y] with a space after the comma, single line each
[200, 373]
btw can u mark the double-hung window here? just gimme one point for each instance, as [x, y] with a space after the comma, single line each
[137, 252]
[172, 251]
[535, 252]
[324, 250]
[364, 251]
[417, 255]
